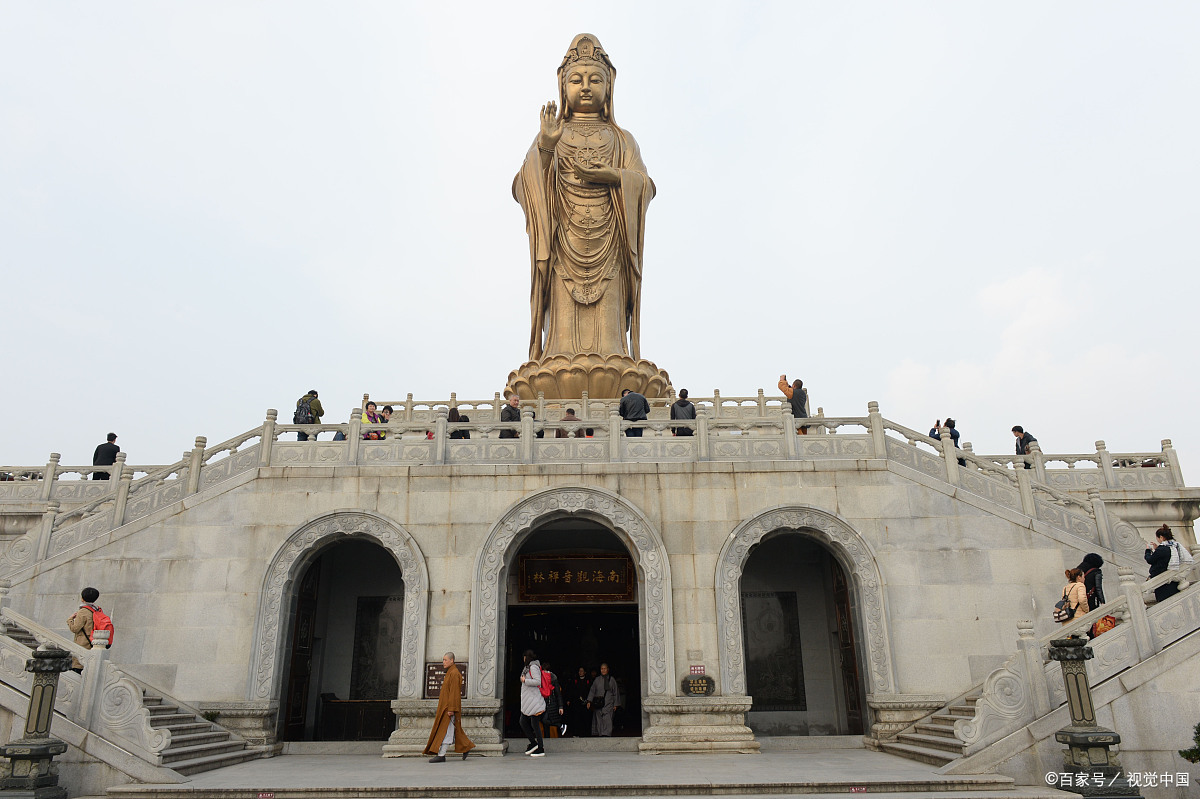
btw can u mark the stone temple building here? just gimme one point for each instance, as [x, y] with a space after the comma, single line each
[861, 583]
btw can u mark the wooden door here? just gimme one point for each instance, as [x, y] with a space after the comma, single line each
[848, 656]
[300, 663]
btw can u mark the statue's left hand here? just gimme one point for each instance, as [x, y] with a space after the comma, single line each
[598, 174]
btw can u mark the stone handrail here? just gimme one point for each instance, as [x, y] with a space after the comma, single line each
[1028, 687]
[103, 699]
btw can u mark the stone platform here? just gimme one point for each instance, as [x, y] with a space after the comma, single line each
[563, 773]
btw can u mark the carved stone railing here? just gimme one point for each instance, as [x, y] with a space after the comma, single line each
[103, 699]
[1029, 685]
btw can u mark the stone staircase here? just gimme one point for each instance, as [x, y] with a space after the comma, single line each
[932, 740]
[196, 745]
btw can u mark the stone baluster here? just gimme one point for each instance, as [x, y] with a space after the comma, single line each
[408, 407]
[702, 443]
[354, 436]
[614, 436]
[875, 422]
[48, 517]
[122, 495]
[762, 403]
[1039, 461]
[1028, 505]
[789, 432]
[583, 410]
[1172, 456]
[453, 399]
[87, 709]
[50, 475]
[1103, 528]
[497, 407]
[541, 405]
[820, 429]
[1143, 636]
[5, 585]
[1106, 465]
[440, 436]
[716, 404]
[968, 447]
[367, 398]
[1035, 674]
[527, 435]
[266, 442]
[949, 455]
[195, 460]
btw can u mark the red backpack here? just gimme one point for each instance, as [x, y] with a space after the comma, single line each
[546, 688]
[101, 621]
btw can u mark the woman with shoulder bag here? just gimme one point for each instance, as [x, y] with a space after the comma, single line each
[1074, 602]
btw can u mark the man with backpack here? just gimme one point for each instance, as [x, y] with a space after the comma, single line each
[85, 621]
[308, 411]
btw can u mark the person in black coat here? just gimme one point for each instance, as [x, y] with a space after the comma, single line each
[105, 455]
[579, 719]
[556, 708]
[1023, 441]
[1159, 558]
[633, 408]
[511, 413]
[682, 409]
[1093, 579]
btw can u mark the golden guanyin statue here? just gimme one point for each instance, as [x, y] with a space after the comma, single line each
[584, 190]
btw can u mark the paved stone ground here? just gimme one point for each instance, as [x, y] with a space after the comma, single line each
[778, 773]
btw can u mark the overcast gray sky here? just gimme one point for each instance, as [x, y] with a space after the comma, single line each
[982, 210]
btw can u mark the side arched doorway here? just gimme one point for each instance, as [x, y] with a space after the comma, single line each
[801, 622]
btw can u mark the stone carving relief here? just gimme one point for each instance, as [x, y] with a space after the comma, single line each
[635, 531]
[122, 713]
[285, 568]
[841, 538]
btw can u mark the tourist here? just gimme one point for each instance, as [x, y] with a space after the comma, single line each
[1023, 441]
[682, 409]
[556, 709]
[511, 413]
[602, 699]
[1168, 554]
[562, 432]
[447, 723]
[1075, 594]
[936, 433]
[83, 623]
[308, 411]
[797, 397]
[577, 711]
[370, 416]
[532, 704]
[454, 417]
[105, 455]
[1093, 579]
[633, 408]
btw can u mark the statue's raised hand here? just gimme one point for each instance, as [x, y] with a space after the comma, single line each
[552, 126]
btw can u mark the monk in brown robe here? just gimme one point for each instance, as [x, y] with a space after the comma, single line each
[447, 725]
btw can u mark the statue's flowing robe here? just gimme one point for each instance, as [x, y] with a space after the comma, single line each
[585, 244]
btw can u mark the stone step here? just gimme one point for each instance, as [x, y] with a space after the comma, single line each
[186, 727]
[934, 757]
[929, 728]
[149, 699]
[950, 718]
[184, 753]
[211, 762]
[167, 719]
[951, 745]
[962, 710]
[161, 709]
[209, 736]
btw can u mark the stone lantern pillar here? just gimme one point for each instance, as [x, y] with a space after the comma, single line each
[31, 772]
[1094, 769]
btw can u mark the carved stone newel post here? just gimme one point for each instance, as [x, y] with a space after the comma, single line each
[31, 771]
[1087, 753]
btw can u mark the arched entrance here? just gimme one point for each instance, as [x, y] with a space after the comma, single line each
[496, 571]
[800, 619]
[343, 613]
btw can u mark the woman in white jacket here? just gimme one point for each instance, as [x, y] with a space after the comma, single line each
[532, 704]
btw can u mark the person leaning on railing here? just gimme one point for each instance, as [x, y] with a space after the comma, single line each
[797, 397]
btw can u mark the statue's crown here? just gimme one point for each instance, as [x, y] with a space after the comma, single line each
[585, 47]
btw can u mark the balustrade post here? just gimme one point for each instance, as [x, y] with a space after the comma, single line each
[1028, 506]
[408, 407]
[453, 399]
[354, 436]
[789, 432]
[1143, 636]
[1106, 465]
[762, 403]
[1172, 456]
[367, 398]
[122, 497]
[87, 710]
[497, 407]
[716, 404]
[583, 410]
[47, 527]
[875, 423]
[195, 461]
[1035, 673]
[820, 428]
[1098, 509]
[614, 436]
[541, 405]
[1039, 461]
[439, 437]
[527, 435]
[702, 442]
[949, 455]
[50, 475]
[266, 442]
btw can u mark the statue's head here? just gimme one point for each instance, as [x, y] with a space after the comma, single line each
[585, 79]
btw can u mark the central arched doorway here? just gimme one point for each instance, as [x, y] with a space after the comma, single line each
[345, 644]
[572, 598]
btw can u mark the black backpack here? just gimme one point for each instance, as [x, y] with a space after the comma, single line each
[303, 414]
